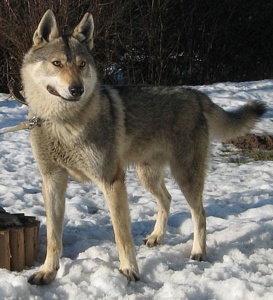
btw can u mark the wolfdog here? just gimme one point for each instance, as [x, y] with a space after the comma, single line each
[93, 132]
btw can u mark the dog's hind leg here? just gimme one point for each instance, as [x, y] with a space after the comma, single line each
[116, 196]
[152, 178]
[190, 178]
[54, 186]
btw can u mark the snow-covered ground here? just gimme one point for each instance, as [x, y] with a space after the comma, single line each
[239, 204]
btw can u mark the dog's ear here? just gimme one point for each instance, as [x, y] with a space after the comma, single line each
[47, 29]
[84, 30]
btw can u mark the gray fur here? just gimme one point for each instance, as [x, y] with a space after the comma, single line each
[96, 136]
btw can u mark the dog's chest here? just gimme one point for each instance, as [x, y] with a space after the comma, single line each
[77, 158]
[66, 154]
[52, 151]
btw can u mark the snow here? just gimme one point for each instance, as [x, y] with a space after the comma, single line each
[238, 199]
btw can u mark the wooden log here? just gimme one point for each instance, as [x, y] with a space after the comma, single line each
[16, 236]
[32, 228]
[4, 249]
[19, 240]
[37, 239]
[29, 240]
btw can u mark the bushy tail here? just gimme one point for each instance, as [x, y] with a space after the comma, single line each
[225, 125]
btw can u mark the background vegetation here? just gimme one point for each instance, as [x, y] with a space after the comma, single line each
[167, 42]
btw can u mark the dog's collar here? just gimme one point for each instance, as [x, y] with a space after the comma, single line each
[35, 121]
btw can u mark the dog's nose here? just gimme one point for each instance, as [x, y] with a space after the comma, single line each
[76, 90]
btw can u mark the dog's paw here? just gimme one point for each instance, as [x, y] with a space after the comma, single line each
[42, 278]
[152, 240]
[198, 256]
[130, 274]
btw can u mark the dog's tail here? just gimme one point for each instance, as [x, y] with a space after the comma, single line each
[225, 125]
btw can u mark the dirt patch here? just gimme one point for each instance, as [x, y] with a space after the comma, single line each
[252, 141]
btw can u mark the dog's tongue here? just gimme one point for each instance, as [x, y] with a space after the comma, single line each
[52, 91]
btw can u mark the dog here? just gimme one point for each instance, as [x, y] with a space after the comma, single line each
[94, 132]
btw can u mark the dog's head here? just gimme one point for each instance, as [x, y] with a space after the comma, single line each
[61, 65]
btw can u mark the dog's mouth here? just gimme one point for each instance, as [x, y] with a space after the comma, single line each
[54, 92]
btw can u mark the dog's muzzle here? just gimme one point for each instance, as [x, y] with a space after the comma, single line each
[75, 91]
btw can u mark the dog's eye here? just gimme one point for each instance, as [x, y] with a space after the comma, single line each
[57, 63]
[82, 64]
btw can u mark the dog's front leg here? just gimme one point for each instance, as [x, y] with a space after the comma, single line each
[116, 197]
[54, 186]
